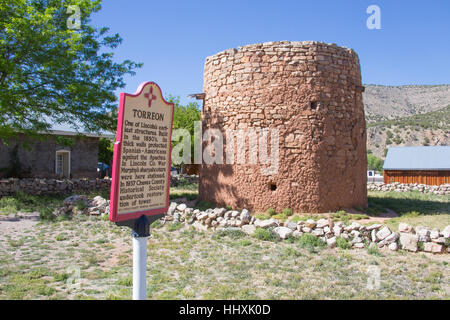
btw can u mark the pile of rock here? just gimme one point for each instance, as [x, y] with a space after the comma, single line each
[407, 187]
[80, 204]
[357, 235]
[428, 240]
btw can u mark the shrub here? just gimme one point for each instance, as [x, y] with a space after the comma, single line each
[342, 243]
[266, 235]
[46, 214]
[80, 205]
[307, 240]
[373, 249]
[287, 212]
[271, 211]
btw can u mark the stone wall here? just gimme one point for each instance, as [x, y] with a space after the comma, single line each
[312, 93]
[37, 186]
[407, 187]
[355, 235]
[52, 186]
[38, 159]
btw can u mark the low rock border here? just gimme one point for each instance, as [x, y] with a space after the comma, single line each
[37, 186]
[379, 235]
[443, 189]
[406, 238]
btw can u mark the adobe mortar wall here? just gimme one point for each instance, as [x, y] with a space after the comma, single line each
[312, 93]
[38, 161]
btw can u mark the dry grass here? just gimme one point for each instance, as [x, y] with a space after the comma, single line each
[37, 263]
[186, 264]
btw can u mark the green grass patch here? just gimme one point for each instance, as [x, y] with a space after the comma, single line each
[128, 282]
[174, 226]
[406, 202]
[266, 235]
[310, 242]
[346, 217]
[343, 243]
[228, 232]
[262, 216]
[203, 205]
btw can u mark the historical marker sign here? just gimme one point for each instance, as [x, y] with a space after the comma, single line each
[142, 155]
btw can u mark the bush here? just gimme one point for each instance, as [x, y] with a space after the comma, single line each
[80, 205]
[287, 212]
[373, 249]
[342, 243]
[307, 240]
[47, 214]
[8, 205]
[271, 211]
[374, 163]
[266, 235]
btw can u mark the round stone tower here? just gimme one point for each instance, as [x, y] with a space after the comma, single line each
[309, 94]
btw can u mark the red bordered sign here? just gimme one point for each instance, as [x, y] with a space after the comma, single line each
[142, 155]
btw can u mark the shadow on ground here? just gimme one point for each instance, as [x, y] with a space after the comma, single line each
[403, 203]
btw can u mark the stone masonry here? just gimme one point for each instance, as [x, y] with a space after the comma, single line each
[312, 93]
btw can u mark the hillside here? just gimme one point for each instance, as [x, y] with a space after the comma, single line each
[389, 102]
[431, 128]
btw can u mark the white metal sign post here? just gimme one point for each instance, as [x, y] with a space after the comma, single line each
[140, 235]
[141, 170]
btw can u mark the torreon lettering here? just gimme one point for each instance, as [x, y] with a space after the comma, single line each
[148, 115]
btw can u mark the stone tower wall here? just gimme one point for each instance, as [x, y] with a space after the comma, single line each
[311, 93]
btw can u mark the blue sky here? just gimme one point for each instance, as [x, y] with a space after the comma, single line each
[173, 38]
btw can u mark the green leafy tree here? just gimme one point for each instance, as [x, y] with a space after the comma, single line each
[374, 163]
[51, 73]
[105, 150]
[184, 117]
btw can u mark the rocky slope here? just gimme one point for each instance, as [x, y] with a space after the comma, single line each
[406, 116]
[389, 102]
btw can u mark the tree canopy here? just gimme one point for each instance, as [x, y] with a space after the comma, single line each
[51, 73]
[374, 163]
[184, 117]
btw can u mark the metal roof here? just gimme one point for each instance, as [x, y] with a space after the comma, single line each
[418, 158]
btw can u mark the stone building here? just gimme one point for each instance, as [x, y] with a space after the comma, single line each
[311, 92]
[46, 158]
